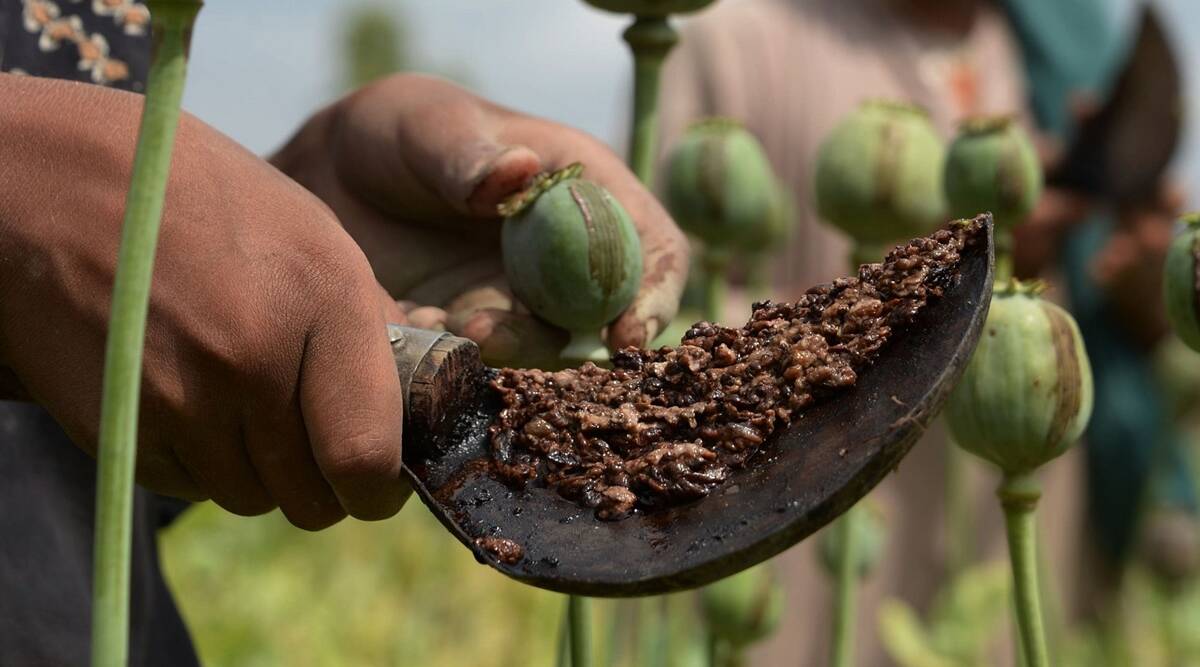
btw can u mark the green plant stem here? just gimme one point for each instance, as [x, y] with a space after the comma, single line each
[584, 346]
[650, 39]
[619, 615]
[1019, 494]
[1004, 262]
[714, 267]
[579, 620]
[714, 649]
[564, 637]
[845, 600]
[116, 456]
[758, 283]
[959, 519]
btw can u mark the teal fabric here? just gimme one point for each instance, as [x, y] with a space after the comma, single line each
[1134, 454]
[1069, 46]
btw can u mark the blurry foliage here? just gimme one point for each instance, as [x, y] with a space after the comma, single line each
[1177, 369]
[964, 621]
[374, 44]
[375, 41]
[258, 592]
[1156, 627]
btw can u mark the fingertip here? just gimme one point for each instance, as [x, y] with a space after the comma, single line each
[505, 175]
[506, 338]
[631, 330]
[427, 317]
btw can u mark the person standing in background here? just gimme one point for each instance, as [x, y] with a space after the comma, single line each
[1139, 480]
[790, 70]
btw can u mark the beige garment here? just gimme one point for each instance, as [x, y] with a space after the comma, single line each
[790, 70]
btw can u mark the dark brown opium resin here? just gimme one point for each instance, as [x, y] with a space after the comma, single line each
[505, 550]
[668, 426]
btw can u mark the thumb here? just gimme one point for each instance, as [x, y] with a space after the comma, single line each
[493, 179]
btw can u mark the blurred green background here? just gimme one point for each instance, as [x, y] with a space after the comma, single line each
[258, 592]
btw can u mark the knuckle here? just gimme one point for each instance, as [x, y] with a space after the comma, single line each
[338, 279]
[364, 457]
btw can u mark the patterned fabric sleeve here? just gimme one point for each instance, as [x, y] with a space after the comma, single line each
[97, 41]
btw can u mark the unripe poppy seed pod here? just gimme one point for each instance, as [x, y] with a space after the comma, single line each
[650, 7]
[720, 186]
[992, 166]
[1026, 394]
[743, 608]
[1181, 291]
[572, 255]
[879, 174]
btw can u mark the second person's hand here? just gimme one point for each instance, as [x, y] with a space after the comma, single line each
[415, 167]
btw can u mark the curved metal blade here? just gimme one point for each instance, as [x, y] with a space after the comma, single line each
[824, 463]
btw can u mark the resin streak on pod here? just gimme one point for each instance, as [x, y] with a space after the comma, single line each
[1027, 394]
[879, 174]
[721, 188]
[993, 166]
[572, 255]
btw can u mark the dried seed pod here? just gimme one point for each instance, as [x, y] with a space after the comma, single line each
[650, 7]
[992, 166]
[879, 174]
[1180, 283]
[572, 255]
[743, 608]
[1026, 395]
[720, 186]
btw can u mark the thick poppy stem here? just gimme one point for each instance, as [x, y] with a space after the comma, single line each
[1003, 239]
[117, 451]
[845, 613]
[579, 623]
[715, 270]
[1019, 495]
[650, 39]
[959, 519]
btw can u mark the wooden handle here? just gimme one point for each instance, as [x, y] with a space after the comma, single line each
[436, 370]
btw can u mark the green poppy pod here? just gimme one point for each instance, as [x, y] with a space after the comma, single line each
[650, 7]
[1026, 394]
[720, 186]
[1180, 283]
[992, 166]
[572, 255]
[879, 174]
[773, 235]
[743, 608]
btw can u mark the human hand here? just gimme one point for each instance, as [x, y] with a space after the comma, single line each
[1037, 242]
[268, 377]
[415, 167]
[1130, 266]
